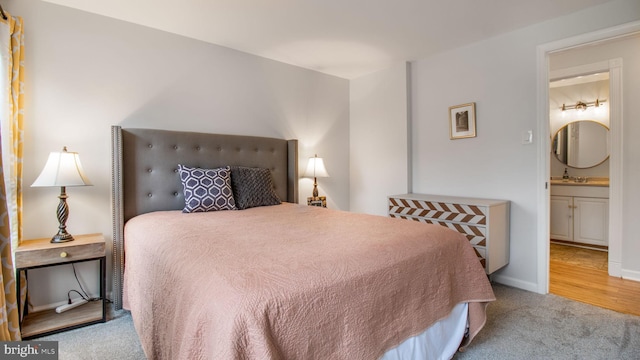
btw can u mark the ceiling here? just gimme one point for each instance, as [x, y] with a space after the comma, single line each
[345, 38]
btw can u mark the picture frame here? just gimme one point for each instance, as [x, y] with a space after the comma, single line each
[462, 121]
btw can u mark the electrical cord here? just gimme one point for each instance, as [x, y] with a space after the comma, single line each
[76, 291]
[84, 294]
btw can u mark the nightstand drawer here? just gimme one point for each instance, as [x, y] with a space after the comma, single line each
[41, 252]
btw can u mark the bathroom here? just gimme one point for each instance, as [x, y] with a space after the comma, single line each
[579, 201]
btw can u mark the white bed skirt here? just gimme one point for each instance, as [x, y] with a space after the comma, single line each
[438, 342]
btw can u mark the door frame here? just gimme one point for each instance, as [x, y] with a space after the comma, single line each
[544, 143]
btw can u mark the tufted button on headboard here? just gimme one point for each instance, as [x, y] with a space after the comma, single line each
[145, 172]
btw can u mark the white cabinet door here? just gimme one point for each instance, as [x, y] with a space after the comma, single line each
[591, 220]
[561, 222]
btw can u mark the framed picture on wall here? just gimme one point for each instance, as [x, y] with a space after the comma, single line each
[462, 121]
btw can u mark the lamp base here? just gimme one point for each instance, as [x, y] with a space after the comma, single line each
[60, 238]
[63, 213]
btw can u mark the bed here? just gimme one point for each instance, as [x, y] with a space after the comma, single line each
[277, 280]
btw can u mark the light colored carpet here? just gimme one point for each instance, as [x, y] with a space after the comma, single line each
[114, 340]
[525, 325]
[520, 325]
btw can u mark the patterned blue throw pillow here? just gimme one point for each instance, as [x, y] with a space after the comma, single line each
[206, 189]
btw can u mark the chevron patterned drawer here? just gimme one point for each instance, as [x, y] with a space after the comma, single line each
[484, 222]
[475, 234]
[438, 210]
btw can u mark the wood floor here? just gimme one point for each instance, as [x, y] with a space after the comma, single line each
[581, 275]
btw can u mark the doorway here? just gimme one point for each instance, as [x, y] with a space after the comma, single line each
[579, 122]
[615, 205]
[569, 275]
[602, 81]
[579, 163]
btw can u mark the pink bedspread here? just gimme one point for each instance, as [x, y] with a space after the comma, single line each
[292, 282]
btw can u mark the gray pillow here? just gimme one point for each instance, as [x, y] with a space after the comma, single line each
[206, 189]
[253, 187]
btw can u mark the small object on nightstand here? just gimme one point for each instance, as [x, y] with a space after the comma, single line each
[40, 253]
[320, 201]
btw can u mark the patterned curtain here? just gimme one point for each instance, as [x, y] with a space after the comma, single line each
[11, 125]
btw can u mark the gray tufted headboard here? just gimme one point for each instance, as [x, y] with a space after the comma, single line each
[145, 178]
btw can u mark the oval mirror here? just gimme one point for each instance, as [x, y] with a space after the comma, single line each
[582, 144]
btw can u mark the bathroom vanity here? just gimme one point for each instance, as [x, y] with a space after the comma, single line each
[580, 211]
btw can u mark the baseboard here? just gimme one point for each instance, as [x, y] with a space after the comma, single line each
[516, 283]
[580, 245]
[631, 275]
[615, 269]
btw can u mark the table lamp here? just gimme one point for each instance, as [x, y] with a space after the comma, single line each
[62, 169]
[315, 169]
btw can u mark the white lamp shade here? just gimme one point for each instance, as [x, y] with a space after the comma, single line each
[62, 169]
[315, 168]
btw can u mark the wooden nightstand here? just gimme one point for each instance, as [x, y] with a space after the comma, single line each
[32, 254]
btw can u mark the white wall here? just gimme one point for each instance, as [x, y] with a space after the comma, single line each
[379, 139]
[86, 72]
[628, 49]
[499, 75]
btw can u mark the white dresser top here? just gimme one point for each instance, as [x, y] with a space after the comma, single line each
[451, 199]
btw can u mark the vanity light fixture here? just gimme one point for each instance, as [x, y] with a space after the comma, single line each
[582, 106]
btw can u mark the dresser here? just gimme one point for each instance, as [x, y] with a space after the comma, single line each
[485, 222]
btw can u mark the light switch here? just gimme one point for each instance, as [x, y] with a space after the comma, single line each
[527, 137]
